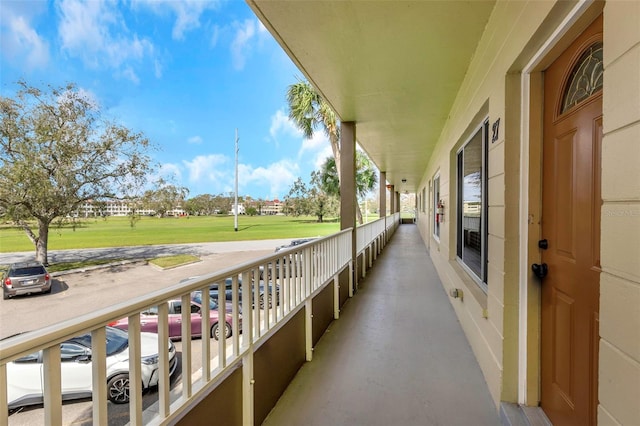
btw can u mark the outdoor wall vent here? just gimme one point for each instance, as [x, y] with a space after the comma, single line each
[456, 293]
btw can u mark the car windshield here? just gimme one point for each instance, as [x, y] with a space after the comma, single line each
[117, 340]
[197, 297]
[27, 271]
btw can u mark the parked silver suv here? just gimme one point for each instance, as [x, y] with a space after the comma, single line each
[25, 278]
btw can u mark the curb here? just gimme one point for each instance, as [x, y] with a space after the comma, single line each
[98, 267]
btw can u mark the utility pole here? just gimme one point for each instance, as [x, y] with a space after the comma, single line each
[236, 201]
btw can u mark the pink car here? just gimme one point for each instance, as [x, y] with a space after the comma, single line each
[149, 320]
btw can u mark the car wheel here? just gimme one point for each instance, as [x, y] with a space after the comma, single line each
[118, 389]
[215, 331]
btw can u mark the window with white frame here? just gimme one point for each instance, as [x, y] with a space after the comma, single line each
[435, 204]
[471, 247]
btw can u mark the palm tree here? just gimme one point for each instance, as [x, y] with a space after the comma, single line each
[309, 111]
[366, 178]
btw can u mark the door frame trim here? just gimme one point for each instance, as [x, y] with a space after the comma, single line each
[530, 203]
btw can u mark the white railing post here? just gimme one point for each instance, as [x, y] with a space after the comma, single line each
[235, 314]
[205, 333]
[4, 405]
[52, 386]
[364, 263]
[308, 274]
[336, 296]
[351, 278]
[185, 328]
[308, 309]
[222, 325]
[135, 371]
[247, 311]
[247, 388]
[99, 375]
[163, 353]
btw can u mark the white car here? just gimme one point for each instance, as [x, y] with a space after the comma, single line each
[25, 378]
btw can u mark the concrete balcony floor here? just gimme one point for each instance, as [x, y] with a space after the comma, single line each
[397, 355]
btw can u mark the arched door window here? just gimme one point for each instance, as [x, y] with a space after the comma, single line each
[585, 78]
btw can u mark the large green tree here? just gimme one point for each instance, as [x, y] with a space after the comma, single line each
[165, 197]
[57, 151]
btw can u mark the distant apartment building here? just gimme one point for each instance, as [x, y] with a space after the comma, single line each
[272, 207]
[93, 208]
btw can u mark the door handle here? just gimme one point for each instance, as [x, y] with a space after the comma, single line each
[540, 270]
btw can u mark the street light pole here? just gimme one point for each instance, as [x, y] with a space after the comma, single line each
[236, 200]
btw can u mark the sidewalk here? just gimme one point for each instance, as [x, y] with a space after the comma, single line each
[397, 355]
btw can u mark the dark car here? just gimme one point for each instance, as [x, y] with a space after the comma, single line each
[265, 292]
[25, 278]
[295, 243]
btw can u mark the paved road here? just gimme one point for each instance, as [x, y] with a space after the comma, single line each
[83, 292]
[145, 252]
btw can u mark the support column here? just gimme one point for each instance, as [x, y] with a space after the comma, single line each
[397, 202]
[382, 207]
[392, 199]
[348, 201]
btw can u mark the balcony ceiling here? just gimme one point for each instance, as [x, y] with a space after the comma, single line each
[393, 67]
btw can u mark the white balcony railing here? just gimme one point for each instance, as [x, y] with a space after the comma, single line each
[290, 277]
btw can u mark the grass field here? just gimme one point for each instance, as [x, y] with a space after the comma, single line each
[117, 231]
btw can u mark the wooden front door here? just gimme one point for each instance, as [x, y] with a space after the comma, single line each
[571, 204]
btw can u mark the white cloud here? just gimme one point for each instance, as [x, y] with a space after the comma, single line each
[215, 36]
[171, 172]
[248, 35]
[130, 74]
[240, 46]
[321, 156]
[215, 174]
[277, 177]
[95, 31]
[281, 124]
[318, 147]
[157, 68]
[208, 168]
[197, 140]
[19, 40]
[187, 13]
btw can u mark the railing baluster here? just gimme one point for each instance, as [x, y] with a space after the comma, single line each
[135, 371]
[163, 370]
[52, 386]
[222, 325]
[205, 333]
[185, 334]
[308, 323]
[99, 375]
[4, 404]
[235, 314]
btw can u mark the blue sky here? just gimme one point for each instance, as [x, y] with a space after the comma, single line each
[186, 73]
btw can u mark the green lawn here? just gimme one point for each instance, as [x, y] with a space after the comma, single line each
[117, 231]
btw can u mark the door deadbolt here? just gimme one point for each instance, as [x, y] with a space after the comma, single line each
[540, 270]
[543, 244]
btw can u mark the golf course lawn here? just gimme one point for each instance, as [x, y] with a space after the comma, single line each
[118, 231]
